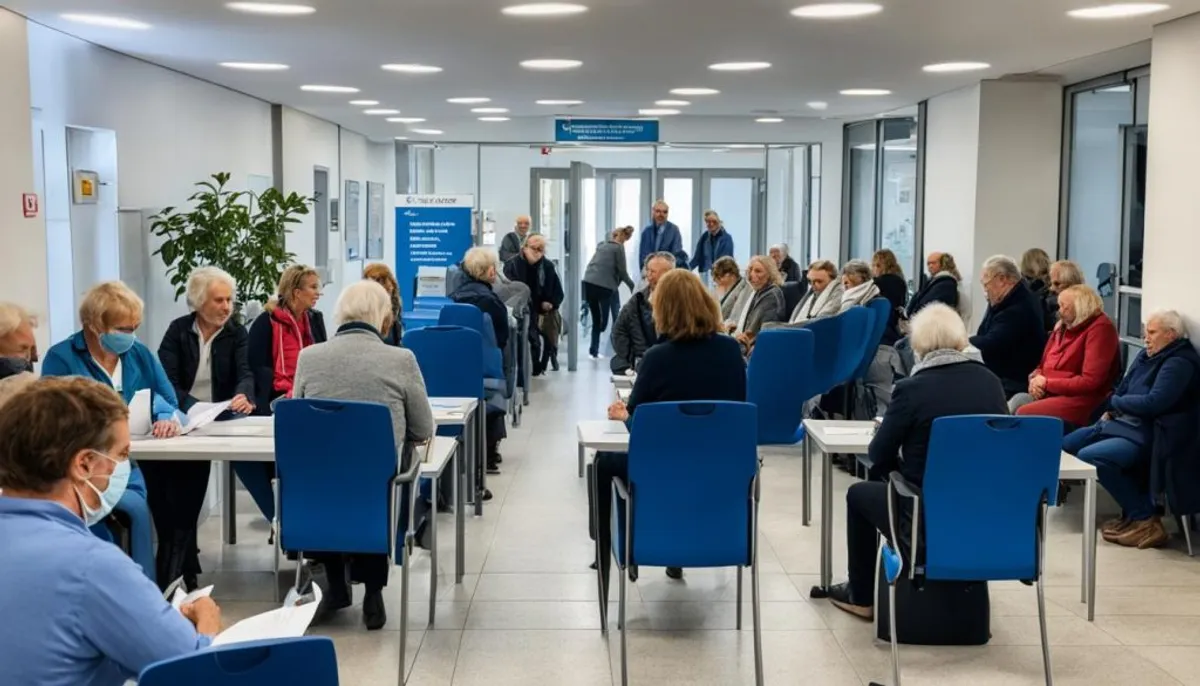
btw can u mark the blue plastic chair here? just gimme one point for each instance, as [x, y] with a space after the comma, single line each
[828, 338]
[881, 307]
[337, 486]
[691, 499]
[855, 324]
[471, 317]
[996, 533]
[309, 660]
[431, 302]
[419, 319]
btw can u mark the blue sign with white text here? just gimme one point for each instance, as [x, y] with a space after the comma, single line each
[431, 231]
[605, 131]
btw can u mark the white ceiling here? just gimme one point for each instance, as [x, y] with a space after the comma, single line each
[634, 51]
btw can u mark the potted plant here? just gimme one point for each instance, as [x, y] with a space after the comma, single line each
[242, 232]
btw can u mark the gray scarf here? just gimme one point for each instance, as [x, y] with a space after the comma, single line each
[944, 357]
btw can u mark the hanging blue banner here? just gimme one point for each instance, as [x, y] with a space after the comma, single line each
[606, 130]
[431, 231]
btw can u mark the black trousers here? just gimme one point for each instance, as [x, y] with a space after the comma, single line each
[607, 466]
[175, 493]
[369, 570]
[866, 514]
[599, 301]
[535, 344]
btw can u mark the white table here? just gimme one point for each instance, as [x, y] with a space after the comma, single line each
[601, 434]
[622, 381]
[854, 437]
[441, 451]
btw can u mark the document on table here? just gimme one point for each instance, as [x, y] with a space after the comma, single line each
[141, 414]
[289, 621]
[848, 431]
[203, 414]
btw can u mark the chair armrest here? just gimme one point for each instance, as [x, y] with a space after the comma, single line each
[620, 489]
[414, 471]
[903, 486]
[899, 486]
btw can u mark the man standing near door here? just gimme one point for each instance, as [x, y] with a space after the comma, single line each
[660, 236]
[510, 246]
[714, 244]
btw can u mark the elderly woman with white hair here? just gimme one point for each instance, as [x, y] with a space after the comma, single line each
[788, 268]
[945, 382]
[204, 356]
[1151, 420]
[1012, 335]
[18, 347]
[356, 364]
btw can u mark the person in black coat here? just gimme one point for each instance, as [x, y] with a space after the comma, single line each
[889, 279]
[1012, 335]
[204, 357]
[788, 267]
[532, 268]
[691, 338]
[940, 287]
[946, 382]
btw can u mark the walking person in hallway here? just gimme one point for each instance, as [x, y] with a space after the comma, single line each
[510, 245]
[661, 235]
[604, 275]
[545, 297]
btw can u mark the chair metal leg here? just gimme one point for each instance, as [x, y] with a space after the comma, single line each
[806, 481]
[1041, 596]
[274, 531]
[1185, 523]
[621, 624]
[299, 569]
[433, 550]
[755, 600]
[413, 494]
[739, 598]
[892, 630]
[601, 589]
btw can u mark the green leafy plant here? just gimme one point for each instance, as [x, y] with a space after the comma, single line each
[242, 232]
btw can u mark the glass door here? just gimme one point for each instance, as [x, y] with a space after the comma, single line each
[737, 197]
[549, 190]
[581, 220]
[681, 191]
[1127, 279]
[628, 204]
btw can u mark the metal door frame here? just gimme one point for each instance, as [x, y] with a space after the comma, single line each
[702, 200]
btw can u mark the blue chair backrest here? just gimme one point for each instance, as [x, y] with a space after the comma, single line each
[882, 309]
[856, 326]
[431, 302]
[691, 469]
[985, 476]
[451, 360]
[308, 660]
[780, 379]
[419, 319]
[471, 317]
[827, 333]
[335, 460]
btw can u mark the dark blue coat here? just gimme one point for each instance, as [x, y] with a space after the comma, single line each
[936, 290]
[710, 248]
[671, 372]
[480, 294]
[665, 238]
[1012, 338]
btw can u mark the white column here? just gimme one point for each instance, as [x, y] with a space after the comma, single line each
[22, 240]
[1172, 241]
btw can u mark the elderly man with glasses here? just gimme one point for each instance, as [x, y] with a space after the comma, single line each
[545, 297]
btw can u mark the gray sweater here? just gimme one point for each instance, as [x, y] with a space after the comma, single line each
[607, 268]
[510, 246]
[357, 365]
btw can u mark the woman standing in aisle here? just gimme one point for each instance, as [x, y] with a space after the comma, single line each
[604, 275]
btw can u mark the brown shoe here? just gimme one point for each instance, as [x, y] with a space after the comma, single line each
[1114, 525]
[1133, 535]
[1156, 535]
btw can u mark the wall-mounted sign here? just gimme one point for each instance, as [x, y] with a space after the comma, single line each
[85, 189]
[29, 205]
[606, 130]
[431, 231]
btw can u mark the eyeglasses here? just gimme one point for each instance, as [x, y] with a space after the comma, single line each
[540, 251]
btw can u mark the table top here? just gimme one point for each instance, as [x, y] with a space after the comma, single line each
[205, 448]
[452, 411]
[622, 381]
[603, 434]
[440, 452]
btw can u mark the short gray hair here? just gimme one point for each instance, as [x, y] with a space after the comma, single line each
[531, 237]
[937, 327]
[202, 280]
[477, 260]
[1069, 273]
[1170, 319]
[781, 247]
[713, 214]
[12, 316]
[1001, 265]
[363, 301]
[13, 385]
[857, 268]
[660, 255]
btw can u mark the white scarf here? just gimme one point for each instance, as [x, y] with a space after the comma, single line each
[861, 294]
[813, 304]
[745, 312]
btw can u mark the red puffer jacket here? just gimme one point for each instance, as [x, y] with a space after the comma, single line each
[1081, 365]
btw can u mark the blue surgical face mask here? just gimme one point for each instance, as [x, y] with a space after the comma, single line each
[117, 342]
[118, 481]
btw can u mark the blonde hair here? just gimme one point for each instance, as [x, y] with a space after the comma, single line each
[1035, 265]
[937, 327]
[824, 266]
[884, 261]
[109, 302]
[713, 214]
[1069, 273]
[12, 316]
[626, 231]
[477, 261]
[773, 275]
[946, 263]
[13, 385]
[1087, 303]
[290, 281]
[381, 274]
[683, 309]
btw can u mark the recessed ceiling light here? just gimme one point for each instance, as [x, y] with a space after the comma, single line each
[837, 10]
[489, 110]
[551, 64]
[694, 91]
[493, 119]
[949, 67]
[270, 8]
[657, 112]
[364, 103]
[254, 66]
[381, 112]
[739, 66]
[672, 103]
[769, 120]
[1118, 10]
[411, 68]
[560, 103]
[328, 89]
[467, 101]
[406, 120]
[428, 132]
[107, 22]
[544, 9]
[866, 91]
[818, 105]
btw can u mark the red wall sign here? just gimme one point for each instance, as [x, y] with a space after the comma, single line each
[29, 202]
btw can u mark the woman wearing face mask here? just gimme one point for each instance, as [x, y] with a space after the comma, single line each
[76, 610]
[107, 350]
[18, 347]
[204, 356]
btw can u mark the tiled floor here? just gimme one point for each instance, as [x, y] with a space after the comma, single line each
[526, 615]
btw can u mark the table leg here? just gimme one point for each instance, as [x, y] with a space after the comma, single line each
[582, 450]
[806, 481]
[228, 503]
[826, 520]
[468, 443]
[433, 553]
[1089, 547]
[460, 516]
[480, 455]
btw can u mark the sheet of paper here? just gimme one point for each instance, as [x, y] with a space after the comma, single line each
[615, 429]
[289, 621]
[140, 414]
[848, 431]
[179, 599]
[203, 414]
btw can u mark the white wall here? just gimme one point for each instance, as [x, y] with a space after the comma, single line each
[1172, 203]
[951, 171]
[361, 161]
[23, 257]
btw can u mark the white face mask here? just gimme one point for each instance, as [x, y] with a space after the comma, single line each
[118, 481]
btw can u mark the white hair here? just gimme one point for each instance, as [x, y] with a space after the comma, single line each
[781, 247]
[1001, 265]
[13, 385]
[937, 327]
[363, 301]
[12, 316]
[477, 260]
[201, 281]
[713, 214]
[1171, 320]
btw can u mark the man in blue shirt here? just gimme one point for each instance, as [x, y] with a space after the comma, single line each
[660, 236]
[714, 244]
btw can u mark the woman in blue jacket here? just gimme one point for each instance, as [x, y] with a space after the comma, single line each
[106, 349]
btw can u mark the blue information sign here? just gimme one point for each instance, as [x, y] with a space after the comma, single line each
[606, 131]
[431, 231]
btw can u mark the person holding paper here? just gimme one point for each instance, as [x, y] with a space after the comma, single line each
[76, 610]
[204, 356]
[106, 349]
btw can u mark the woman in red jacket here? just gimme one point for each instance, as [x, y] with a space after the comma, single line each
[1080, 363]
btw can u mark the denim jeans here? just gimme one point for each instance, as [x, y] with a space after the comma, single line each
[1113, 458]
